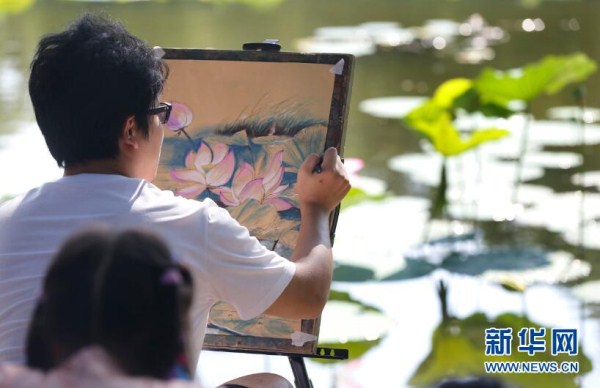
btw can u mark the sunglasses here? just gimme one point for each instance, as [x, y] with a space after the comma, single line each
[163, 111]
[175, 115]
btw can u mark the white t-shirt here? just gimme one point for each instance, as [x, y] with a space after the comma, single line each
[227, 264]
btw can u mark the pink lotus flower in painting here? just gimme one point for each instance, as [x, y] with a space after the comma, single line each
[265, 189]
[209, 168]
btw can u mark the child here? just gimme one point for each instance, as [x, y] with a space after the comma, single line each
[113, 311]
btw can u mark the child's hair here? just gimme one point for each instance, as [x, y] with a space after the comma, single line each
[121, 291]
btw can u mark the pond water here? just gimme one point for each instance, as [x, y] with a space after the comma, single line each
[546, 244]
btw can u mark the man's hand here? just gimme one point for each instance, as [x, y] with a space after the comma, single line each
[322, 182]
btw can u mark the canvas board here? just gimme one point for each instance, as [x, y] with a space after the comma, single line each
[255, 116]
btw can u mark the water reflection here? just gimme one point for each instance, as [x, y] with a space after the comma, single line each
[574, 114]
[351, 40]
[588, 292]
[469, 41]
[388, 34]
[390, 107]
[481, 188]
[531, 25]
[451, 245]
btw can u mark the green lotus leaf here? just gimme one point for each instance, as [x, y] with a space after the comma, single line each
[549, 76]
[435, 123]
[352, 273]
[356, 195]
[343, 296]
[470, 101]
[574, 68]
[483, 136]
[428, 118]
[451, 89]
[513, 285]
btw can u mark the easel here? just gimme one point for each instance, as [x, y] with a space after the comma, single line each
[301, 379]
[262, 76]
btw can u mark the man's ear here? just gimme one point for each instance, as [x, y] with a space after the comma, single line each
[129, 133]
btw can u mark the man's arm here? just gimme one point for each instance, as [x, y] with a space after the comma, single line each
[319, 193]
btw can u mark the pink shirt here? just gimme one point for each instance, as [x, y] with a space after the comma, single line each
[91, 368]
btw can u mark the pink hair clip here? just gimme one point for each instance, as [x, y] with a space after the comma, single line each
[171, 276]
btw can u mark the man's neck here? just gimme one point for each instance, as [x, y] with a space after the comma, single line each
[104, 166]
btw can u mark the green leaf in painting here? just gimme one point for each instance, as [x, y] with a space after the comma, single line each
[307, 141]
[271, 139]
[263, 221]
[238, 139]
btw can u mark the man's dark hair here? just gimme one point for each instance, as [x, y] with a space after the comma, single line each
[86, 81]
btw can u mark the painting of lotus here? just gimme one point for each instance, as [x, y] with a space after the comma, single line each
[242, 123]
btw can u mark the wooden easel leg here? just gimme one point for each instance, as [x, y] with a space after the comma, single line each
[301, 379]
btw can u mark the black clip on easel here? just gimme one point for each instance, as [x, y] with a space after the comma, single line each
[266, 45]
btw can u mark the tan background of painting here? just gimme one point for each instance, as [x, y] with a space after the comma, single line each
[221, 92]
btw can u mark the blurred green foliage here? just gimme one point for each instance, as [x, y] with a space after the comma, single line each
[435, 120]
[15, 6]
[356, 195]
[547, 76]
